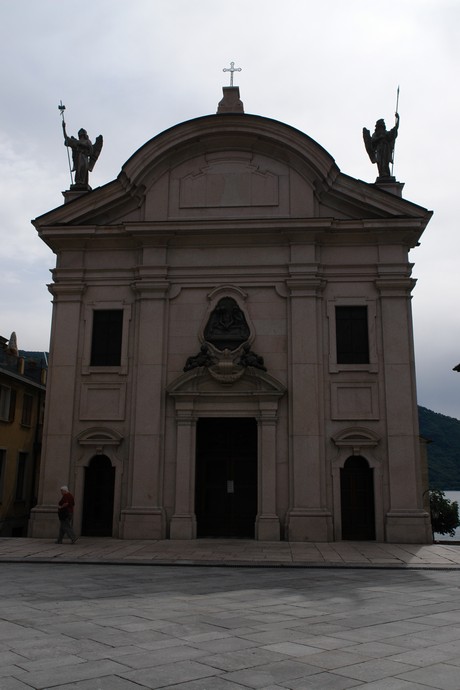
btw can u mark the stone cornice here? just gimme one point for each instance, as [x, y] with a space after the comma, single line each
[305, 286]
[68, 292]
[159, 233]
[395, 287]
[150, 289]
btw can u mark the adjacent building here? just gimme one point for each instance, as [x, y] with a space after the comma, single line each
[22, 400]
[232, 347]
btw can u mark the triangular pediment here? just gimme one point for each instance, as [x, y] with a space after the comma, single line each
[201, 382]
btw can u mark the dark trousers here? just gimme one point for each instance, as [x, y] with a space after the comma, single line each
[66, 529]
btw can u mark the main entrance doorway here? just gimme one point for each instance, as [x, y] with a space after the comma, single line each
[98, 498]
[226, 477]
[357, 497]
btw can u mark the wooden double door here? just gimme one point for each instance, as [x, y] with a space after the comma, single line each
[226, 477]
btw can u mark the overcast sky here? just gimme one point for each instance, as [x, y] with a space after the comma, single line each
[129, 70]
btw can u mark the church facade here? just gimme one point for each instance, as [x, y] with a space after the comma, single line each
[231, 348]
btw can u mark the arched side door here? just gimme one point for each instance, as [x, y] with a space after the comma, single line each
[98, 498]
[357, 500]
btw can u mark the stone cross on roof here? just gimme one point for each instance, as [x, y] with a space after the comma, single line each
[231, 69]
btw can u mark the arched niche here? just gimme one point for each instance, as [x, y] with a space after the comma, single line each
[94, 442]
[358, 442]
[357, 499]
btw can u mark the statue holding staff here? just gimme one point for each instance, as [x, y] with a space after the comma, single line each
[84, 154]
[380, 146]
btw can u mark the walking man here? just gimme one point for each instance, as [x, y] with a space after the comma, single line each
[65, 514]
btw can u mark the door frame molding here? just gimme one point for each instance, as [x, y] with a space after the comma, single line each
[98, 441]
[366, 443]
[197, 394]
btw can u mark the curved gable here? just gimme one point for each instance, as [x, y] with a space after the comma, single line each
[229, 166]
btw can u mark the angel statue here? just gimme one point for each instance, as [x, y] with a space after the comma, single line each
[380, 146]
[84, 156]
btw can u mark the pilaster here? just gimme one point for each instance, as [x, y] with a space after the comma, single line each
[56, 458]
[267, 521]
[406, 521]
[183, 522]
[307, 519]
[143, 517]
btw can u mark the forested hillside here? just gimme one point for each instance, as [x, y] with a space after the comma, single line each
[444, 449]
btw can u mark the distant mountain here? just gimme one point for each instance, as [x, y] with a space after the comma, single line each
[444, 449]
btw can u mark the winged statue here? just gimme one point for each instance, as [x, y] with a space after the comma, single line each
[84, 156]
[380, 145]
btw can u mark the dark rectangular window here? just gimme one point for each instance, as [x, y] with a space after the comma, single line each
[7, 403]
[27, 405]
[106, 338]
[5, 395]
[352, 335]
[21, 476]
[12, 405]
[2, 471]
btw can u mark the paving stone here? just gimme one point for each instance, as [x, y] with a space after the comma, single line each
[324, 642]
[13, 684]
[46, 646]
[441, 676]
[323, 681]
[276, 635]
[56, 663]
[377, 650]
[237, 660]
[293, 649]
[200, 638]
[410, 642]
[170, 674]
[428, 656]
[375, 669]
[9, 658]
[162, 656]
[260, 677]
[102, 683]
[439, 635]
[45, 680]
[213, 683]
[380, 632]
[394, 684]
[225, 644]
[332, 659]
[12, 631]
[9, 671]
[118, 638]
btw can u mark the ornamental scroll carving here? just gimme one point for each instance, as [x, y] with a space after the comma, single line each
[226, 351]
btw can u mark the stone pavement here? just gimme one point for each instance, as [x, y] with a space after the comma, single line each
[94, 625]
[232, 552]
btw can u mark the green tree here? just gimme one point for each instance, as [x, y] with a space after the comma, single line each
[444, 513]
